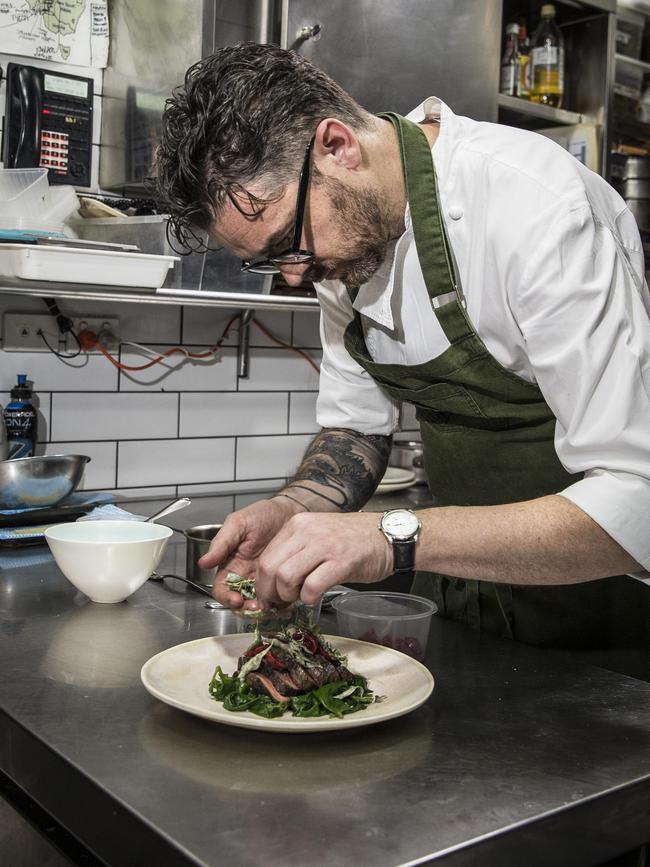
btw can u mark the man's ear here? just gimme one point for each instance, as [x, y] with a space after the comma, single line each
[336, 147]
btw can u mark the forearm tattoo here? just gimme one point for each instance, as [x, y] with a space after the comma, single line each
[340, 471]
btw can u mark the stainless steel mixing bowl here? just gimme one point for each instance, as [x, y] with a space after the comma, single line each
[39, 481]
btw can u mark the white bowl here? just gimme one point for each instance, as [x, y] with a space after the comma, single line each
[107, 560]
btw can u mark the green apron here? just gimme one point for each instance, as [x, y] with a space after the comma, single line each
[488, 439]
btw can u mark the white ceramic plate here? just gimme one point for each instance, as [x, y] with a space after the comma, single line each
[396, 479]
[180, 676]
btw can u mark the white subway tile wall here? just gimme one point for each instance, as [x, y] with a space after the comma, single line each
[276, 456]
[232, 413]
[184, 427]
[302, 412]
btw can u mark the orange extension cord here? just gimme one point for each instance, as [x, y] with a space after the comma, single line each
[208, 353]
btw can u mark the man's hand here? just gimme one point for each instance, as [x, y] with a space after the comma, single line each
[240, 542]
[339, 472]
[313, 552]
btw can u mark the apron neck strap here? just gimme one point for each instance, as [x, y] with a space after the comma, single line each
[422, 194]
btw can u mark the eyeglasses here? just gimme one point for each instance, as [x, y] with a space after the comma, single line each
[294, 255]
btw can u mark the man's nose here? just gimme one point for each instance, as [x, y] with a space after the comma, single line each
[294, 274]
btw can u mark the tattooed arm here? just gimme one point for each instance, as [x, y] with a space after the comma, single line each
[339, 472]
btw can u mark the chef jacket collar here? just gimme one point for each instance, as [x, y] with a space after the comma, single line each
[375, 298]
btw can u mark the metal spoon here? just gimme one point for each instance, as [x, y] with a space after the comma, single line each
[200, 587]
[171, 507]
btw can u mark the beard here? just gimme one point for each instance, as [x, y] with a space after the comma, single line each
[366, 222]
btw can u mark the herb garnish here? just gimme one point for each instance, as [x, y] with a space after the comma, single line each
[244, 586]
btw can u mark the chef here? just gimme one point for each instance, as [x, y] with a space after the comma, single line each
[477, 272]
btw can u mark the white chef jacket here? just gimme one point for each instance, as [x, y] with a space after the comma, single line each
[551, 268]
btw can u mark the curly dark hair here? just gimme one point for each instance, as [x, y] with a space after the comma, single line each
[243, 115]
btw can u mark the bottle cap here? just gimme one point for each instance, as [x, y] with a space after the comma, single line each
[548, 11]
[21, 391]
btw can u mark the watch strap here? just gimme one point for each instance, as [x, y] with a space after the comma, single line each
[403, 556]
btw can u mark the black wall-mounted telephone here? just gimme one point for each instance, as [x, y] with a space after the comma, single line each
[48, 123]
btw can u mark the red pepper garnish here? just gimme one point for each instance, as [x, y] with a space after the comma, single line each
[326, 654]
[254, 651]
[274, 662]
[307, 640]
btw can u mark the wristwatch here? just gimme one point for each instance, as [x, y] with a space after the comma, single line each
[401, 527]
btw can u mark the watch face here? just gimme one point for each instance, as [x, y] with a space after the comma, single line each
[401, 523]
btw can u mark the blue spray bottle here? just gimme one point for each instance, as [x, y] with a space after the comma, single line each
[21, 420]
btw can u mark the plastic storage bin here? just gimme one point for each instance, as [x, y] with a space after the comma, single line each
[30, 207]
[23, 193]
[217, 269]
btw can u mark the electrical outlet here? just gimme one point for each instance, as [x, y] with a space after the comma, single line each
[20, 331]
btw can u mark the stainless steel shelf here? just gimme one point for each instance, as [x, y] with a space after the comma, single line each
[523, 109]
[632, 61]
[187, 297]
[591, 5]
[208, 298]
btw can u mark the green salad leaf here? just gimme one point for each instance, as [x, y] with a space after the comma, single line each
[237, 695]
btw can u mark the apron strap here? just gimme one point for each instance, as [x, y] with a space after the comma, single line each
[422, 193]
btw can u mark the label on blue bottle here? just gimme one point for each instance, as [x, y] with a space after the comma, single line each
[21, 431]
[19, 448]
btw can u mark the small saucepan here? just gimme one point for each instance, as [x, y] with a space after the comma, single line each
[408, 455]
[197, 541]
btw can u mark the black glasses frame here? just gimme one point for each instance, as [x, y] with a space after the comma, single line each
[294, 255]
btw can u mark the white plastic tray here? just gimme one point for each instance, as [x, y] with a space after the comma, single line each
[60, 264]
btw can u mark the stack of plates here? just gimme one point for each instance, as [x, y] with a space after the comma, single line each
[396, 479]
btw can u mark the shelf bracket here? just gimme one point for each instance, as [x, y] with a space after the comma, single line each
[243, 347]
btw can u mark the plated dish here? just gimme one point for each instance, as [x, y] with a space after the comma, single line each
[180, 676]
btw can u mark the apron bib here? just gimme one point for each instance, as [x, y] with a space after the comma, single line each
[488, 439]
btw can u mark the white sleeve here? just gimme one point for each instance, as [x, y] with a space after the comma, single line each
[583, 312]
[348, 397]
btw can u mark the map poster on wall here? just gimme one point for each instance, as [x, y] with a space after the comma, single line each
[65, 31]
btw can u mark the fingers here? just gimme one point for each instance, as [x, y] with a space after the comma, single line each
[306, 576]
[319, 582]
[226, 597]
[289, 561]
[223, 546]
[313, 552]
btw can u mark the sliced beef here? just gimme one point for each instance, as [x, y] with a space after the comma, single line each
[285, 683]
[299, 674]
[343, 672]
[319, 676]
[303, 677]
[264, 686]
[281, 680]
[284, 677]
[333, 672]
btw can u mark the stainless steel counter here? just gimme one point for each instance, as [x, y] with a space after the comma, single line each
[520, 756]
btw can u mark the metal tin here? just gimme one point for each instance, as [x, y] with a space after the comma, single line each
[197, 543]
